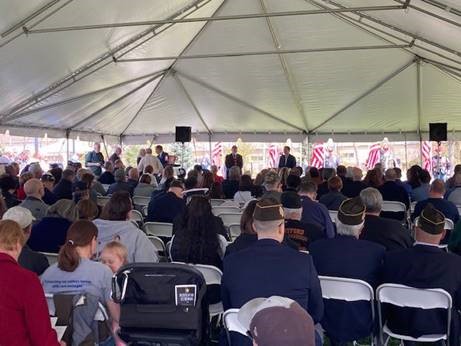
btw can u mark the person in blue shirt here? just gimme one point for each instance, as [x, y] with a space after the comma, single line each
[164, 207]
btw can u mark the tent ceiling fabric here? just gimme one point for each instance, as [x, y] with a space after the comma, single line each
[75, 81]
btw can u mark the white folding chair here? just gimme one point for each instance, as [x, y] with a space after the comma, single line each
[349, 290]
[102, 200]
[449, 226]
[158, 243]
[333, 214]
[229, 209]
[51, 257]
[458, 206]
[234, 230]
[412, 206]
[144, 210]
[159, 229]
[140, 202]
[394, 207]
[230, 218]
[136, 216]
[212, 276]
[405, 296]
[232, 324]
[101, 313]
[216, 202]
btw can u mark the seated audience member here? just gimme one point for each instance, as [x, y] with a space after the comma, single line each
[421, 192]
[301, 233]
[167, 178]
[388, 232]
[333, 199]
[198, 237]
[114, 255]
[50, 233]
[29, 259]
[144, 187]
[270, 268]
[48, 184]
[259, 182]
[25, 176]
[391, 191]
[247, 235]
[276, 321]
[244, 194]
[166, 206]
[149, 171]
[24, 312]
[118, 164]
[451, 181]
[107, 178]
[12, 170]
[436, 193]
[88, 180]
[150, 160]
[353, 188]
[217, 178]
[8, 188]
[207, 180]
[292, 183]
[284, 172]
[231, 185]
[63, 190]
[80, 191]
[114, 224]
[298, 171]
[87, 210]
[373, 178]
[56, 172]
[75, 265]
[326, 174]
[272, 186]
[398, 174]
[313, 211]
[347, 256]
[34, 193]
[425, 265]
[216, 191]
[341, 172]
[314, 176]
[36, 170]
[454, 194]
[120, 183]
[201, 205]
[413, 178]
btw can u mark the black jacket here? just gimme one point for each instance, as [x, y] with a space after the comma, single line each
[63, 190]
[33, 261]
[289, 162]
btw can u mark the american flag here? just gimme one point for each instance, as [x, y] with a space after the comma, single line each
[272, 153]
[374, 155]
[216, 154]
[426, 151]
[318, 156]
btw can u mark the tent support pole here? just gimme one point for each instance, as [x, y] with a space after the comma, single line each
[16, 116]
[419, 107]
[162, 80]
[209, 148]
[220, 18]
[67, 146]
[71, 78]
[365, 94]
[443, 6]
[191, 101]
[105, 146]
[429, 13]
[132, 91]
[233, 98]
[279, 52]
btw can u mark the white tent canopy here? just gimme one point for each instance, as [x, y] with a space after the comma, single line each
[255, 69]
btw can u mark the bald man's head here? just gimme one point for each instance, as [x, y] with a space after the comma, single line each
[34, 188]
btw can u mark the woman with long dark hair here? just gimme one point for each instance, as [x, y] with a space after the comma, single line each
[198, 235]
[75, 272]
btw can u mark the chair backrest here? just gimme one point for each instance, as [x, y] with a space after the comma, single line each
[234, 230]
[144, 210]
[136, 215]
[449, 225]
[141, 200]
[158, 243]
[231, 322]
[458, 206]
[102, 200]
[333, 215]
[52, 257]
[345, 289]
[412, 206]
[230, 218]
[393, 206]
[211, 274]
[101, 314]
[216, 202]
[405, 296]
[159, 229]
[228, 209]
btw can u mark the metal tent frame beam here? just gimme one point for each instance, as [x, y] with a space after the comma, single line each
[236, 99]
[443, 6]
[429, 13]
[220, 18]
[106, 57]
[365, 94]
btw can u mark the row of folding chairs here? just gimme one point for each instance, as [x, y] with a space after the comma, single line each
[351, 290]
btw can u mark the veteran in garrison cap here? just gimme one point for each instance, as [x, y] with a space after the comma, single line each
[270, 268]
[425, 265]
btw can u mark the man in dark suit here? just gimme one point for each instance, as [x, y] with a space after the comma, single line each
[436, 193]
[164, 207]
[269, 268]
[347, 256]
[162, 156]
[391, 191]
[389, 233]
[63, 190]
[425, 265]
[353, 187]
[287, 160]
[233, 159]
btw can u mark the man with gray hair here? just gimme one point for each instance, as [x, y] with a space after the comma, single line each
[36, 170]
[348, 257]
[388, 232]
[273, 186]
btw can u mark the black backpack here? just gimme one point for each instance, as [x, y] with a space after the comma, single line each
[161, 304]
